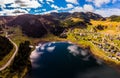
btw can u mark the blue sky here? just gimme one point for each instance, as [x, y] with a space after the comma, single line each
[17, 7]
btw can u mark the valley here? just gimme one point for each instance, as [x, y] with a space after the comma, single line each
[87, 30]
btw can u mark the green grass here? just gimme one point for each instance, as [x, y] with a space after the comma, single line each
[17, 37]
[84, 42]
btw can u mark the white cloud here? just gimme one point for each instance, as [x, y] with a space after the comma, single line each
[47, 12]
[28, 3]
[18, 6]
[113, 1]
[50, 0]
[50, 49]
[37, 11]
[85, 8]
[77, 9]
[42, 1]
[42, 47]
[104, 12]
[70, 6]
[84, 52]
[2, 2]
[35, 55]
[13, 12]
[54, 6]
[43, 9]
[108, 12]
[86, 58]
[14, 5]
[99, 3]
[48, 3]
[21, 3]
[49, 44]
[89, 0]
[88, 7]
[73, 49]
[28, 9]
[72, 1]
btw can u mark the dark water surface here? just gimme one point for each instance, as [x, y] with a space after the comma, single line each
[65, 60]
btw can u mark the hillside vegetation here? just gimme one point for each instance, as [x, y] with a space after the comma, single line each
[55, 23]
[88, 30]
[115, 18]
[5, 47]
[20, 65]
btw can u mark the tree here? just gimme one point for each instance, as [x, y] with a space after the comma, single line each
[22, 58]
[5, 47]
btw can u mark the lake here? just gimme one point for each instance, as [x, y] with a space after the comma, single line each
[66, 60]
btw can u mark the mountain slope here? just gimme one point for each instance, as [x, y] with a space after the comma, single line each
[35, 25]
[114, 18]
[54, 23]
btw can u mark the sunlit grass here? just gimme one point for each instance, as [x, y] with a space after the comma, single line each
[18, 37]
[106, 23]
[76, 19]
[97, 52]
[112, 27]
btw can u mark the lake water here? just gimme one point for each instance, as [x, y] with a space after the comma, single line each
[66, 60]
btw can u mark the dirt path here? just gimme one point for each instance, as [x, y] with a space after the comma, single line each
[11, 59]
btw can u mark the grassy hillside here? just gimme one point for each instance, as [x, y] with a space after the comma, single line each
[5, 49]
[111, 27]
[115, 18]
[88, 30]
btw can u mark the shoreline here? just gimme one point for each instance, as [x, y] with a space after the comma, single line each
[94, 51]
